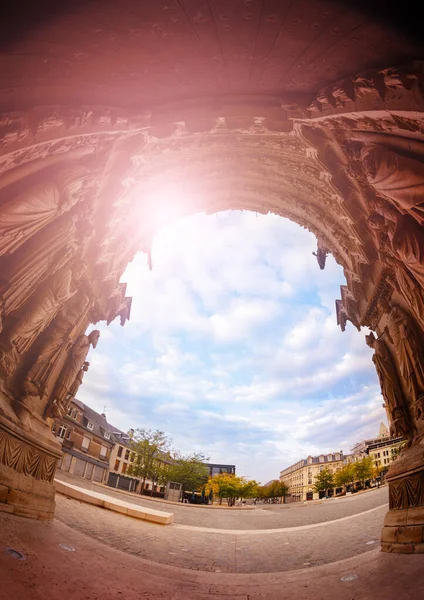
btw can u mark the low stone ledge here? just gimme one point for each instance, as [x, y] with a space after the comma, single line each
[104, 501]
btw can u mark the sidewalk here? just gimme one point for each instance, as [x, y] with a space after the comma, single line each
[63, 563]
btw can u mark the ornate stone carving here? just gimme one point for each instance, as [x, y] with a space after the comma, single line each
[407, 492]
[397, 178]
[40, 378]
[39, 312]
[73, 390]
[407, 286]
[373, 311]
[403, 238]
[22, 217]
[409, 350]
[44, 254]
[26, 459]
[391, 390]
[321, 254]
[71, 370]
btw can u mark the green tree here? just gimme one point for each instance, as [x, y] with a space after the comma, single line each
[248, 488]
[148, 446]
[159, 473]
[231, 487]
[363, 469]
[345, 476]
[324, 481]
[189, 470]
[277, 489]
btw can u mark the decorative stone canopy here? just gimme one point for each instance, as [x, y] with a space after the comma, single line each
[118, 118]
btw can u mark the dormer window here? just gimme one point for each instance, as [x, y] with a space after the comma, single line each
[90, 425]
[72, 412]
[106, 435]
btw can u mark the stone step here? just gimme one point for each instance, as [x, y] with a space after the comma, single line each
[120, 506]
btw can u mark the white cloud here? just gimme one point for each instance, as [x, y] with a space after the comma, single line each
[233, 348]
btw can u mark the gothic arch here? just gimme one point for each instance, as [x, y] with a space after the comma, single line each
[76, 183]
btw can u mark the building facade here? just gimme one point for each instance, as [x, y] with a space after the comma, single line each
[121, 458]
[217, 469]
[300, 477]
[383, 449]
[86, 442]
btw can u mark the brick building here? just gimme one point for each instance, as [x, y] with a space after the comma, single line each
[86, 442]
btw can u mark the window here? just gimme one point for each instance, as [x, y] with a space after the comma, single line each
[124, 468]
[106, 435]
[321, 458]
[120, 451]
[90, 425]
[68, 434]
[132, 457]
[103, 451]
[85, 443]
[72, 412]
[127, 455]
[117, 463]
[61, 432]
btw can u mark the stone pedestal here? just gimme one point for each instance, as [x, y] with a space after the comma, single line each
[403, 529]
[28, 462]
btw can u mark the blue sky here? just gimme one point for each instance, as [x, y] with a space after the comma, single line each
[233, 348]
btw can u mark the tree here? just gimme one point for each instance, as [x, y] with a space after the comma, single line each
[363, 469]
[345, 476]
[231, 487]
[189, 470]
[148, 447]
[248, 488]
[277, 489]
[324, 481]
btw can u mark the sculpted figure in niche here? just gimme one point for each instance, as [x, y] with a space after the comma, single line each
[403, 239]
[39, 380]
[71, 371]
[390, 387]
[397, 178]
[407, 286]
[42, 307]
[44, 254]
[23, 216]
[409, 351]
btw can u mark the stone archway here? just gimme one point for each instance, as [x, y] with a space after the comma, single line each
[76, 184]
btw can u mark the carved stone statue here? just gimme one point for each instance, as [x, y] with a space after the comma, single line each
[409, 352]
[71, 370]
[390, 386]
[404, 239]
[321, 255]
[44, 254]
[23, 216]
[73, 390]
[42, 307]
[407, 286]
[39, 380]
[398, 178]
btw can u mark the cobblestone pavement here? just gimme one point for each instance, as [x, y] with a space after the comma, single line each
[64, 563]
[261, 517]
[251, 552]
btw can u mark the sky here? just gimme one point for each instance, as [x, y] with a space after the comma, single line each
[233, 348]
